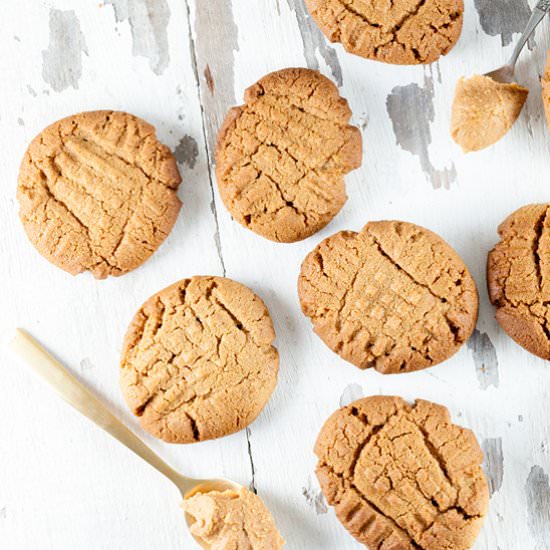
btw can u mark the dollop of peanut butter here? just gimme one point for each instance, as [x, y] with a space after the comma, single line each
[232, 519]
[484, 110]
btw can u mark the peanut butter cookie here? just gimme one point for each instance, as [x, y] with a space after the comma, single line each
[394, 296]
[197, 361]
[407, 32]
[282, 156]
[402, 476]
[518, 278]
[98, 192]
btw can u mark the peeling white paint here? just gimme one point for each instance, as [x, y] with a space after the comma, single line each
[485, 359]
[315, 42]
[187, 151]
[411, 111]
[503, 17]
[314, 497]
[148, 20]
[537, 490]
[351, 393]
[493, 463]
[62, 60]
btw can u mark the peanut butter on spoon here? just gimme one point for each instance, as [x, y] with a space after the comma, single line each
[484, 110]
[237, 520]
[486, 106]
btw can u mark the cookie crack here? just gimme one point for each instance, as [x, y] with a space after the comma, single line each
[390, 34]
[338, 129]
[194, 427]
[349, 289]
[52, 196]
[454, 329]
[371, 438]
[345, 481]
[131, 203]
[383, 253]
[539, 227]
[396, 526]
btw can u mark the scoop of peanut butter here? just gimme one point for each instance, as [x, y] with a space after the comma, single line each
[484, 110]
[232, 520]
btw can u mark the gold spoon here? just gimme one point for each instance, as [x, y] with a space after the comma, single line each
[74, 393]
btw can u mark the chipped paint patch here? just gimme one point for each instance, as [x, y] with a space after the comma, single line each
[485, 359]
[86, 364]
[216, 61]
[31, 90]
[213, 65]
[503, 17]
[209, 79]
[62, 61]
[148, 20]
[314, 42]
[493, 463]
[351, 393]
[411, 112]
[537, 490]
[20, 121]
[363, 121]
[187, 151]
[314, 497]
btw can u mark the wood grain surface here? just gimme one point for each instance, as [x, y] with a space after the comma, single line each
[180, 64]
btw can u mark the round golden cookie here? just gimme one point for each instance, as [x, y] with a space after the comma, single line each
[402, 476]
[394, 296]
[98, 192]
[282, 156]
[406, 32]
[518, 278]
[197, 361]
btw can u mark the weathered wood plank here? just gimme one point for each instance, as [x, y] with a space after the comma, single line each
[181, 65]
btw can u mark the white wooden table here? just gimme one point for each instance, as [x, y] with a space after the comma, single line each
[180, 64]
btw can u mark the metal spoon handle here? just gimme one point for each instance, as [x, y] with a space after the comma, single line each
[78, 396]
[538, 13]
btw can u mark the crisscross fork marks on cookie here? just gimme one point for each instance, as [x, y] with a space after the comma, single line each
[402, 474]
[518, 278]
[394, 296]
[98, 192]
[192, 352]
[282, 156]
[405, 32]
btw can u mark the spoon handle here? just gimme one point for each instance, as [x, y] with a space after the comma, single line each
[538, 13]
[74, 393]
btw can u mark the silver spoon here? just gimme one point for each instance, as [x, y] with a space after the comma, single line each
[505, 73]
[74, 393]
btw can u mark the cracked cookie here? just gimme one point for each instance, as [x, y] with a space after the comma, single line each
[406, 32]
[518, 278]
[394, 296]
[198, 361]
[98, 192]
[281, 157]
[402, 476]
